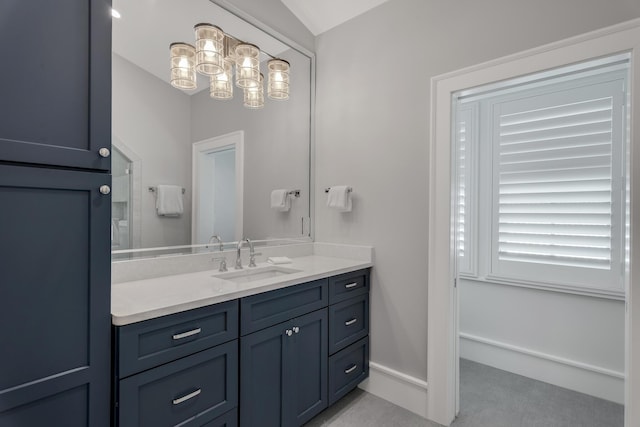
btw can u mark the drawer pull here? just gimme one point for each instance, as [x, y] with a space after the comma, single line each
[351, 369]
[350, 322]
[351, 285]
[187, 397]
[187, 334]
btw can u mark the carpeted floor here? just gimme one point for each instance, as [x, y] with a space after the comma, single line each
[489, 398]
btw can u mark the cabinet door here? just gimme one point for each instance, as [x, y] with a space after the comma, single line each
[54, 297]
[55, 82]
[262, 364]
[306, 376]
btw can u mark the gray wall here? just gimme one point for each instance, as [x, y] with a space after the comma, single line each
[153, 120]
[373, 76]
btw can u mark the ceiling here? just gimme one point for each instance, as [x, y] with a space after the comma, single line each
[320, 16]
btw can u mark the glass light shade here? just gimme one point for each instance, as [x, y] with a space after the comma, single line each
[278, 87]
[247, 65]
[254, 96]
[222, 84]
[183, 60]
[209, 49]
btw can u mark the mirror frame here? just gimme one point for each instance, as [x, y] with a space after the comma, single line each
[241, 14]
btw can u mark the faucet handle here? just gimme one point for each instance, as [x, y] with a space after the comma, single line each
[252, 258]
[223, 263]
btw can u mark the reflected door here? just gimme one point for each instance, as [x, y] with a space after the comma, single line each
[121, 203]
[218, 200]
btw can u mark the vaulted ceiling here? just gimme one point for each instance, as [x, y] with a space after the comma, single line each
[320, 16]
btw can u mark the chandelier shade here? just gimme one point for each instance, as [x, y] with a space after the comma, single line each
[221, 85]
[254, 96]
[209, 49]
[183, 73]
[247, 65]
[278, 87]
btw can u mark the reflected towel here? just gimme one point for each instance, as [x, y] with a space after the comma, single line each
[339, 198]
[169, 200]
[280, 200]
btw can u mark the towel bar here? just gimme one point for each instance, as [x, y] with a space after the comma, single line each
[349, 189]
[153, 190]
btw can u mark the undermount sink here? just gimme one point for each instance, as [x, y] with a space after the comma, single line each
[257, 273]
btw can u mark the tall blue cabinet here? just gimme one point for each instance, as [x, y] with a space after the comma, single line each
[55, 207]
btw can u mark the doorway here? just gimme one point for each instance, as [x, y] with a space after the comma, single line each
[443, 292]
[217, 188]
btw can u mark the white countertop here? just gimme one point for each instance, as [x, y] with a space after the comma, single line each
[140, 300]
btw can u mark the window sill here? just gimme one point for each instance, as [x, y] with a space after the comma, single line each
[618, 295]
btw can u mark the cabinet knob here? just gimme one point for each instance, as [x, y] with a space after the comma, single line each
[289, 332]
[105, 189]
[296, 329]
[104, 152]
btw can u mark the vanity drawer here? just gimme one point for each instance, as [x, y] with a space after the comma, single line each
[148, 344]
[203, 385]
[270, 308]
[348, 285]
[348, 322]
[347, 369]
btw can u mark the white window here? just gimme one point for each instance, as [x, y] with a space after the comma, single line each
[541, 178]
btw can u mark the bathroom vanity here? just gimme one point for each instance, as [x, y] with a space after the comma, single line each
[269, 346]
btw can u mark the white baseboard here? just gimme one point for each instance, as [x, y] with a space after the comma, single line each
[574, 375]
[401, 389]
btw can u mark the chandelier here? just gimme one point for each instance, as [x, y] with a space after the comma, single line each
[216, 55]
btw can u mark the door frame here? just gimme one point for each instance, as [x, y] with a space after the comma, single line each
[442, 304]
[217, 143]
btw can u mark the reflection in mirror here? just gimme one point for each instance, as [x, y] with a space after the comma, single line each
[160, 131]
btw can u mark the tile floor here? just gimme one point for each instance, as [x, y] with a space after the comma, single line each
[489, 398]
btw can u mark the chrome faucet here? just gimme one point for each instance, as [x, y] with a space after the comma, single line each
[216, 237]
[252, 254]
[222, 259]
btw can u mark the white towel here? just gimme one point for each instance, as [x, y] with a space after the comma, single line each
[339, 198]
[280, 200]
[279, 260]
[169, 200]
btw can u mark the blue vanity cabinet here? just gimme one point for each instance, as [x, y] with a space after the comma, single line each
[283, 372]
[302, 348]
[180, 369]
[283, 355]
[54, 297]
[56, 82]
[348, 332]
[55, 251]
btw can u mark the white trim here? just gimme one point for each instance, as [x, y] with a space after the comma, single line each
[560, 371]
[442, 298]
[214, 144]
[616, 296]
[135, 222]
[547, 356]
[401, 389]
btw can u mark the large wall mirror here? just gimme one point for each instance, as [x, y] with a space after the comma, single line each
[226, 158]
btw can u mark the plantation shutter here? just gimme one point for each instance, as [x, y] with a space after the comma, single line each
[465, 136]
[557, 177]
[555, 186]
